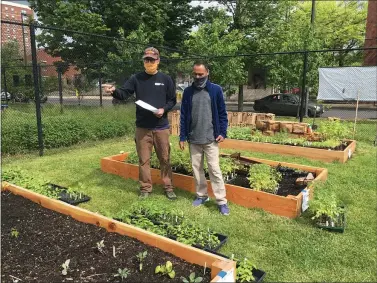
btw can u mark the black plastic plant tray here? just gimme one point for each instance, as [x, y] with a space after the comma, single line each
[65, 197]
[339, 229]
[222, 239]
[258, 274]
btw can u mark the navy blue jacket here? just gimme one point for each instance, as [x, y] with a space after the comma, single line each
[219, 115]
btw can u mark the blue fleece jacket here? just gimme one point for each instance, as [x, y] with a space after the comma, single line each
[219, 115]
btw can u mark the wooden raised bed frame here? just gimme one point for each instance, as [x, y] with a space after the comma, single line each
[308, 152]
[188, 253]
[289, 206]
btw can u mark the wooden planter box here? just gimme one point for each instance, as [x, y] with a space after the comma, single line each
[289, 206]
[188, 253]
[311, 153]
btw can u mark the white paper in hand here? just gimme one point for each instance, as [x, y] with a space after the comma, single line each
[146, 106]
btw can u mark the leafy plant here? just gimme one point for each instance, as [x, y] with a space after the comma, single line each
[245, 271]
[335, 130]
[166, 269]
[192, 278]
[65, 266]
[14, 233]
[264, 177]
[141, 256]
[122, 273]
[325, 206]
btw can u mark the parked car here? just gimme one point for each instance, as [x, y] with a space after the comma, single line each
[285, 105]
[5, 95]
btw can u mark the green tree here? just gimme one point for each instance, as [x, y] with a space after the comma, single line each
[19, 79]
[214, 39]
[170, 22]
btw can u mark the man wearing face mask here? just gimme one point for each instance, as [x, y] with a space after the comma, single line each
[152, 129]
[204, 123]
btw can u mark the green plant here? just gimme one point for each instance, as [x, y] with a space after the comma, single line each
[192, 278]
[14, 233]
[122, 273]
[264, 177]
[245, 271]
[141, 256]
[65, 266]
[335, 130]
[166, 269]
[325, 206]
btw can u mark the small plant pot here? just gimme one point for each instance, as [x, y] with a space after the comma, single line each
[66, 197]
[339, 228]
[258, 274]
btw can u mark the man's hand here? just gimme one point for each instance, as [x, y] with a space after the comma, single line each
[220, 139]
[182, 145]
[108, 89]
[159, 113]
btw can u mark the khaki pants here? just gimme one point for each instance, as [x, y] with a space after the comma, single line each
[159, 139]
[211, 152]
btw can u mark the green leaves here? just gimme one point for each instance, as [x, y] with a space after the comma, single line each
[192, 278]
[245, 271]
[263, 177]
[141, 256]
[166, 269]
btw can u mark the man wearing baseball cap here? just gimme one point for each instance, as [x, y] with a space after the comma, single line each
[152, 128]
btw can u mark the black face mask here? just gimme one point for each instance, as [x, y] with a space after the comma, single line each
[200, 83]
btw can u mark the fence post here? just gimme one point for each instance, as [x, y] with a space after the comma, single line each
[59, 69]
[240, 98]
[303, 86]
[100, 86]
[36, 87]
[5, 80]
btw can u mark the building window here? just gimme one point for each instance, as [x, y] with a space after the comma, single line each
[6, 8]
[6, 15]
[7, 29]
[14, 37]
[12, 16]
[8, 36]
[12, 9]
[26, 39]
[23, 11]
[14, 30]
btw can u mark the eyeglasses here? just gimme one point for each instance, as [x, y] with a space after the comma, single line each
[196, 75]
[146, 60]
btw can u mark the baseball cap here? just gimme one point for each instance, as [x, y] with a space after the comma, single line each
[151, 52]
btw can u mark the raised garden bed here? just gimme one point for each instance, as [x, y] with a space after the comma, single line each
[34, 252]
[288, 206]
[308, 152]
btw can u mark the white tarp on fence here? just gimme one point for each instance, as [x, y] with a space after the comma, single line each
[343, 83]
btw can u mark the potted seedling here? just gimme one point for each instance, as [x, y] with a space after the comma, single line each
[263, 177]
[327, 212]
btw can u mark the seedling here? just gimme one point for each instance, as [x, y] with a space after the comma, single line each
[166, 269]
[264, 177]
[100, 247]
[141, 257]
[192, 279]
[245, 271]
[122, 273]
[14, 233]
[65, 266]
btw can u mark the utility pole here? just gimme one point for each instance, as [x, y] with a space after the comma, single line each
[304, 93]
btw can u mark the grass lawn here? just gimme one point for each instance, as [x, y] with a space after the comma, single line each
[288, 250]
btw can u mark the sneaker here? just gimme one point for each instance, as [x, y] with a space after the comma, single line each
[199, 201]
[144, 195]
[224, 209]
[171, 195]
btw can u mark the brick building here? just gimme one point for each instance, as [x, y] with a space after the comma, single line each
[370, 58]
[16, 13]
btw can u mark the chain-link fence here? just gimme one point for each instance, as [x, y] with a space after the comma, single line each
[71, 106]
